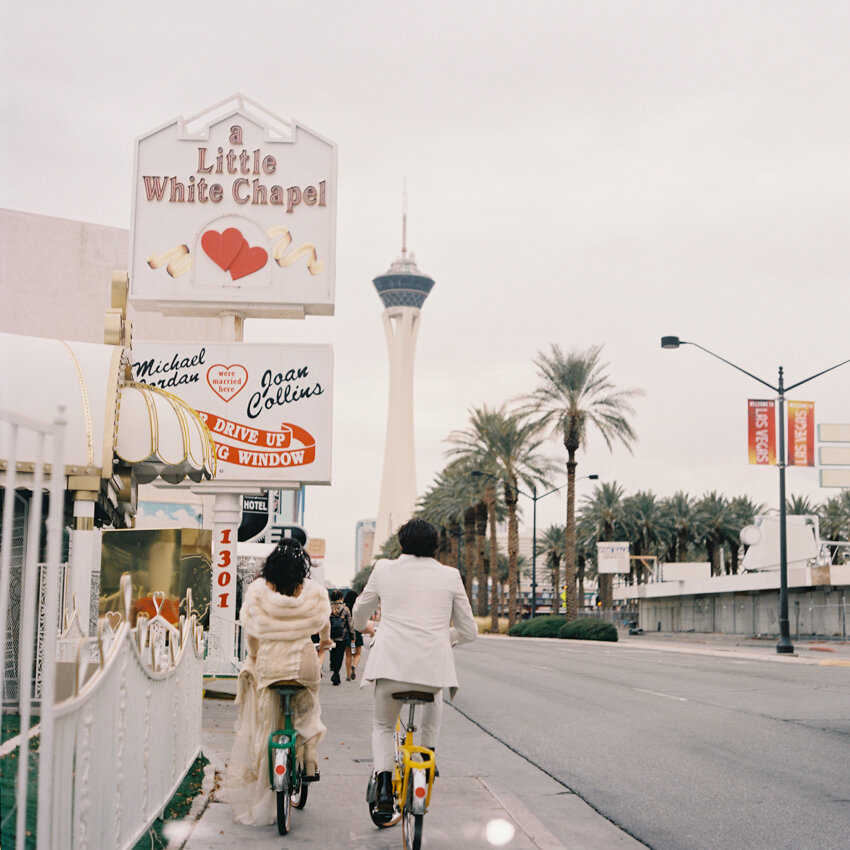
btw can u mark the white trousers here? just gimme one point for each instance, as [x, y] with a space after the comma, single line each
[386, 711]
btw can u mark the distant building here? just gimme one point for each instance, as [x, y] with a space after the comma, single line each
[364, 548]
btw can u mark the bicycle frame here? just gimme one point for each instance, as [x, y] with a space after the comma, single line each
[408, 769]
[280, 741]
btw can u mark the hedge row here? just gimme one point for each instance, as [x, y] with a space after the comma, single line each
[554, 626]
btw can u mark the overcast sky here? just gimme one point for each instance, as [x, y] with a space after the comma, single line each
[578, 173]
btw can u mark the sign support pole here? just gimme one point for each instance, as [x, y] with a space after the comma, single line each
[227, 514]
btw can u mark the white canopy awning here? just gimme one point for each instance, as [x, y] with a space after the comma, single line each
[161, 436]
[152, 432]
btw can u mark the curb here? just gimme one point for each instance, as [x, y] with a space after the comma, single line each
[198, 807]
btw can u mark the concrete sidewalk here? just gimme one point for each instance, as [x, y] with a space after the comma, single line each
[484, 789]
[828, 653]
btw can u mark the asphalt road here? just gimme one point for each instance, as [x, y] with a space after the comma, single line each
[679, 750]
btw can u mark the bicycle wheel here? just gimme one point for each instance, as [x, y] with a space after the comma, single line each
[299, 797]
[284, 809]
[411, 827]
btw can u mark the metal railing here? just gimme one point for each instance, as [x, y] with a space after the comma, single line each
[43, 440]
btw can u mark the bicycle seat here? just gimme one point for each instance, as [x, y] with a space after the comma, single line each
[414, 696]
[286, 685]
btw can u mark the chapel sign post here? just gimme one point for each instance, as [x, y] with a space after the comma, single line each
[234, 215]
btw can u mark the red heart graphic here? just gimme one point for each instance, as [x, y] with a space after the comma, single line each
[223, 248]
[248, 261]
[227, 381]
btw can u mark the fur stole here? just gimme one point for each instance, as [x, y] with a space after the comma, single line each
[269, 615]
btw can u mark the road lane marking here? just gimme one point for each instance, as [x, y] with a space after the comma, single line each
[659, 694]
[541, 667]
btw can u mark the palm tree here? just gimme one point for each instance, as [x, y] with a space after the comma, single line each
[448, 503]
[649, 526]
[603, 513]
[507, 442]
[800, 506]
[685, 528]
[575, 393]
[834, 516]
[718, 526]
[551, 549]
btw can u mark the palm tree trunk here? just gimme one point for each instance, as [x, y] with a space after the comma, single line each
[556, 584]
[482, 564]
[570, 606]
[711, 551]
[494, 562]
[513, 551]
[469, 550]
[580, 580]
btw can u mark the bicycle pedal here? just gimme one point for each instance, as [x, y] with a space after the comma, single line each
[315, 778]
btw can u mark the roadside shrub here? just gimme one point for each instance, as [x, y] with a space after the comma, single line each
[548, 625]
[588, 628]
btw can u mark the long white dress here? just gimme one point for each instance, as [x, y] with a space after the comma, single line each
[279, 629]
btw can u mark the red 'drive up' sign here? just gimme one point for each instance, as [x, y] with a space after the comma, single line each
[761, 431]
[801, 433]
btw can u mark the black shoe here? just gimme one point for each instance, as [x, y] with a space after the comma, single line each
[353, 673]
[384, 793]
[335, 679]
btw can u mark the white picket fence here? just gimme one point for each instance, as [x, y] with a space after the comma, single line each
[120, 724]
[128, 735]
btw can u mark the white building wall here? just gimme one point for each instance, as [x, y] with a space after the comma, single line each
[55, 277]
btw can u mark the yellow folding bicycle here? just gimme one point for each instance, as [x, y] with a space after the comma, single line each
[413, 777]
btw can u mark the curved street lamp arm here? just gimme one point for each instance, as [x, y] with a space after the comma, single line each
[806, 380]
[734, 366]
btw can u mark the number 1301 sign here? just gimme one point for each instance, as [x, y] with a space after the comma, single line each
[224, 572]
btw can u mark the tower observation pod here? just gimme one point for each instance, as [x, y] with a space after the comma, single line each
[403, 290]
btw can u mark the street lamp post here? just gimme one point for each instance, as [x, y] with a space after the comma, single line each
[784, 647]
[476, 473]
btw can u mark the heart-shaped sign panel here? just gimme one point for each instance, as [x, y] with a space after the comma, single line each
[227, 381]
[248, 261]
[223, 248]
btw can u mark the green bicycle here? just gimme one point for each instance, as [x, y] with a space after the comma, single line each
[286, 776]
[413, 777]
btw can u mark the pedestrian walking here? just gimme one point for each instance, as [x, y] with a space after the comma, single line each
[354, 649]
[341, 631]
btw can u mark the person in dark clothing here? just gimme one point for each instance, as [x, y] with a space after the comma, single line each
[355, 647]
[341, 633]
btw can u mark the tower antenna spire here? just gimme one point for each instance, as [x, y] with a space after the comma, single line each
[404, 220]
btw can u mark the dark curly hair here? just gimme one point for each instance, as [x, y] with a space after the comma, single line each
[286, 567]
[418, 537]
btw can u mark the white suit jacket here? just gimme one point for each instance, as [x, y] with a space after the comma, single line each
[420, 599]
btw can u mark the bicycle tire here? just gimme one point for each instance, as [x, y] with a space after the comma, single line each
[411, 827]
[299, 797]
[284, 808]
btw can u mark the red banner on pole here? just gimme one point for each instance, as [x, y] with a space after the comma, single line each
[761, 431]
[801, 433]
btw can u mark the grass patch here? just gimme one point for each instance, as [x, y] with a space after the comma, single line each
[157, 837]
[10, 725]
[484, 625]
[8, 779]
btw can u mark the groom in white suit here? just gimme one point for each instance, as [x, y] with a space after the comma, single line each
[424, 612]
